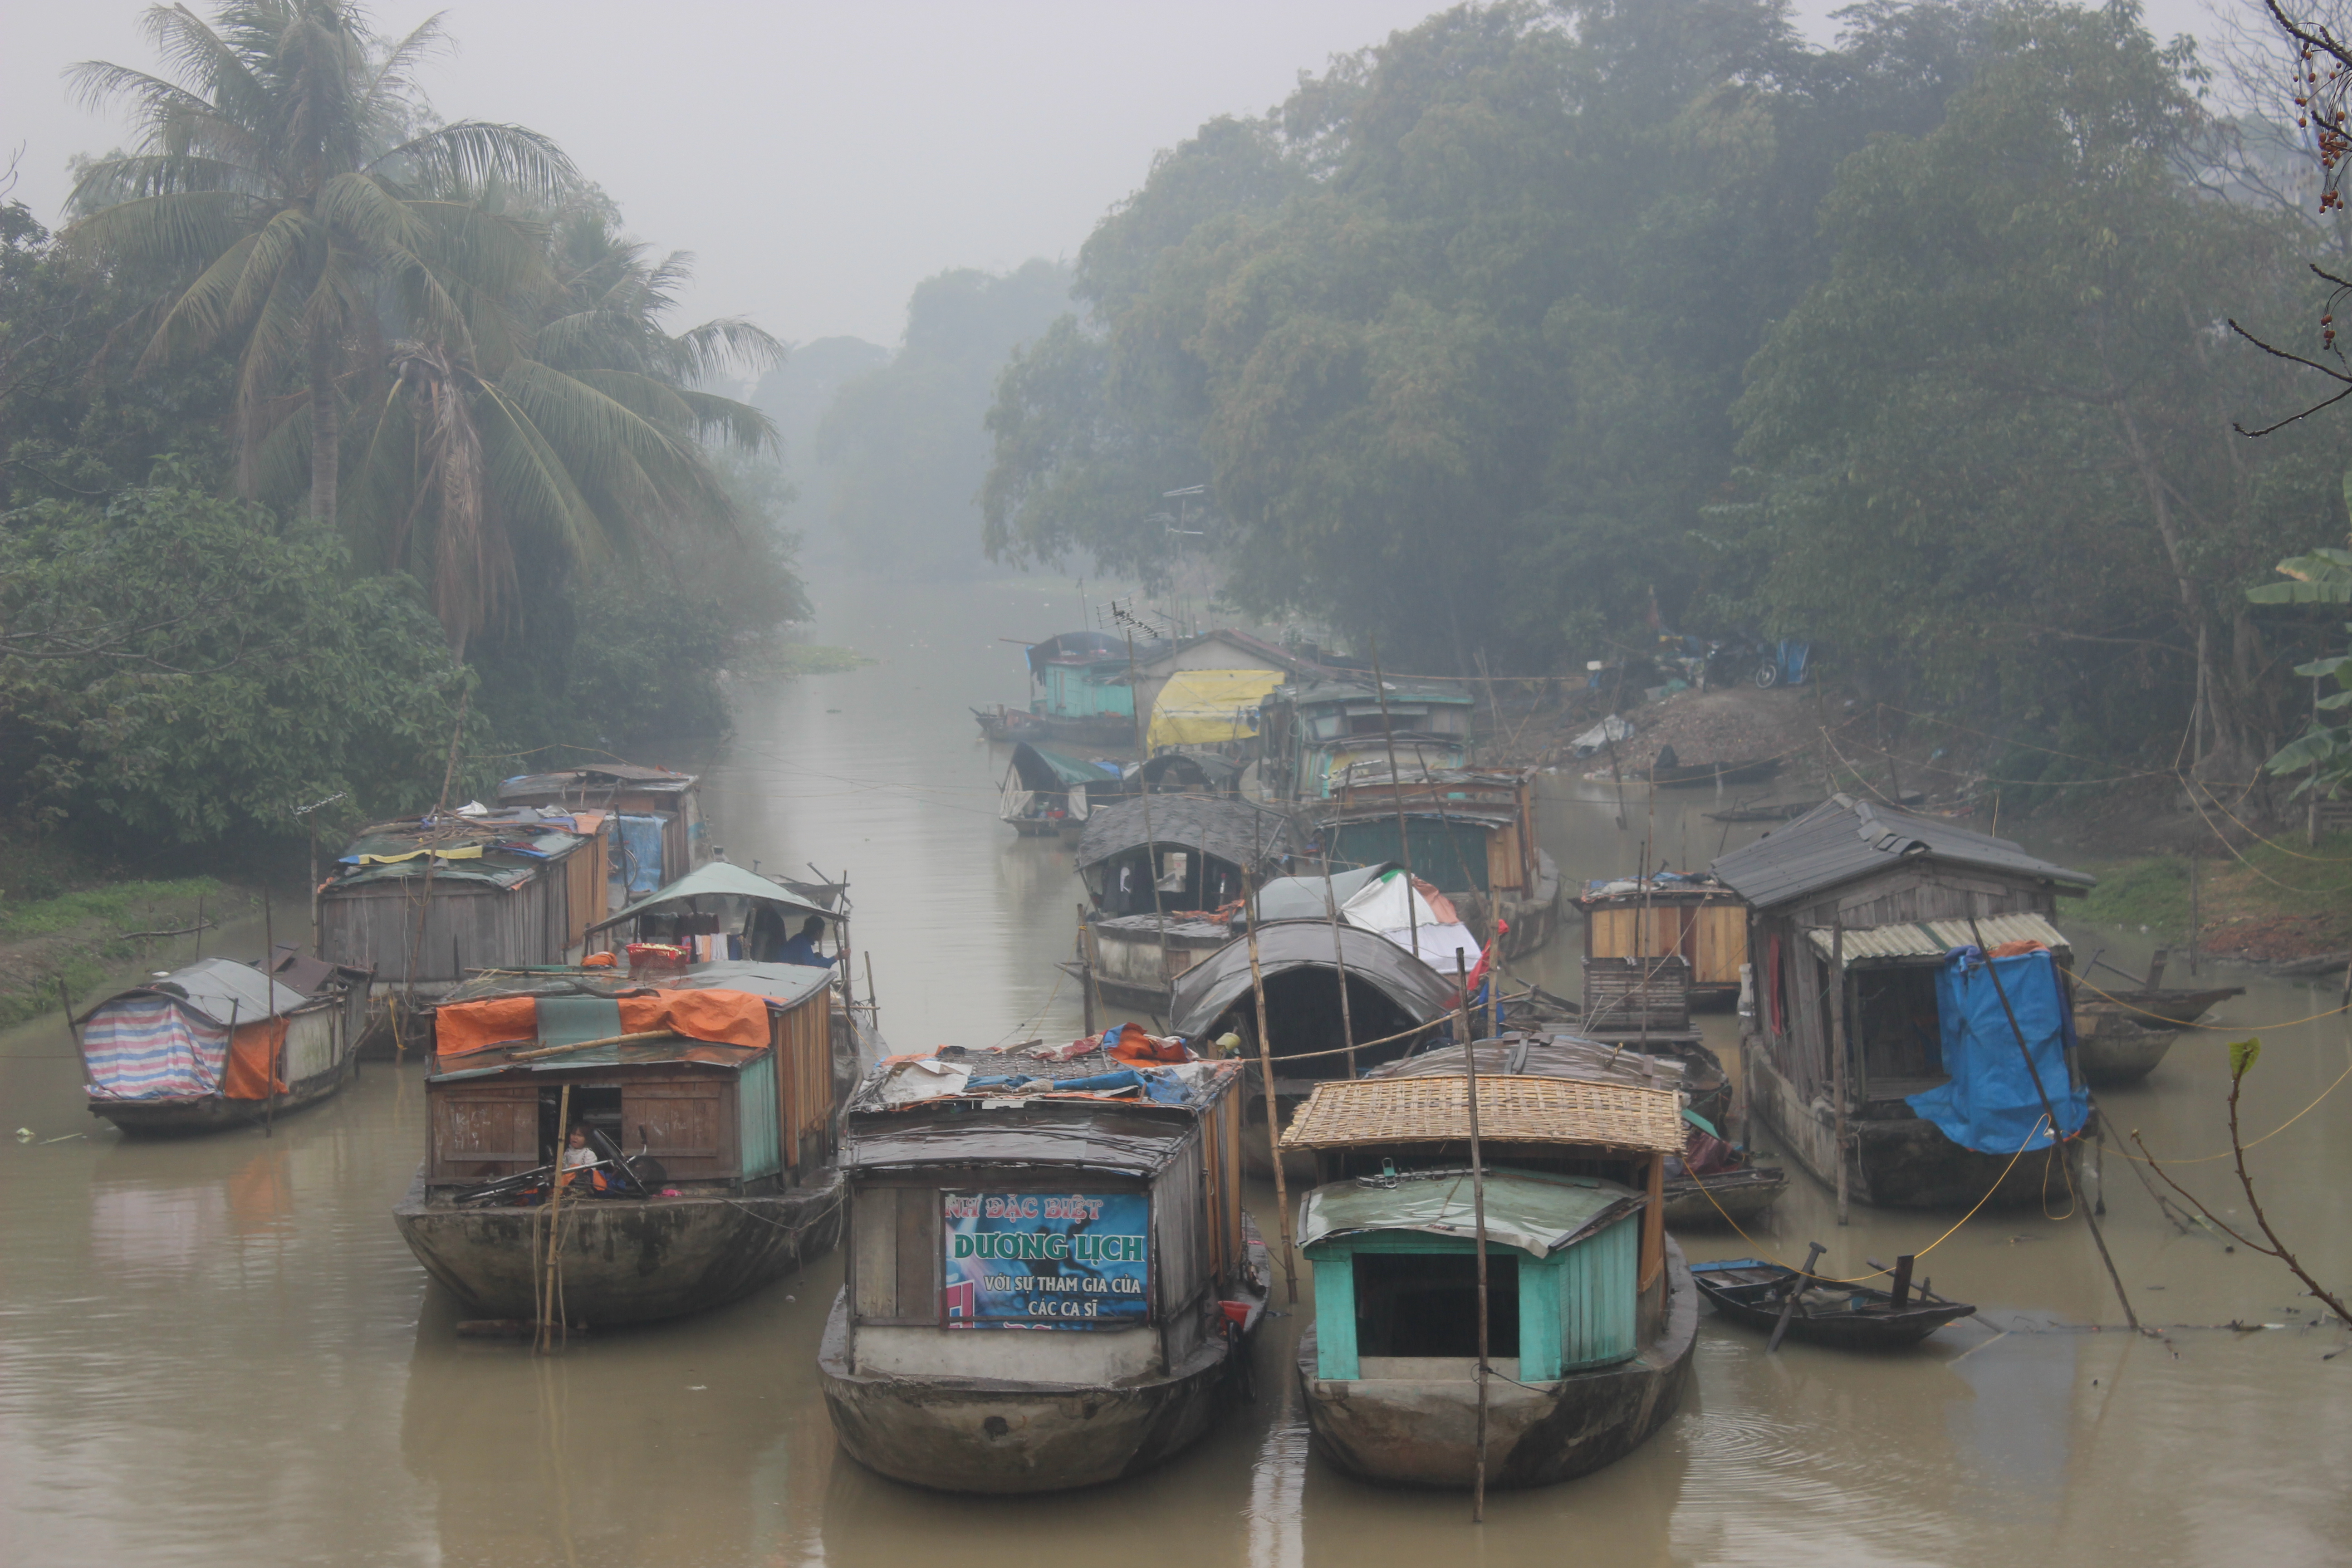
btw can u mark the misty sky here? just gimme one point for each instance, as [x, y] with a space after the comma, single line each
[820, 158]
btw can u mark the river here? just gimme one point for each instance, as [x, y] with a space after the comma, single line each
[219, 1351]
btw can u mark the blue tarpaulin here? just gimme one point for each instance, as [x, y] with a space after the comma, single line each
[638, 852]
[1990, 1104]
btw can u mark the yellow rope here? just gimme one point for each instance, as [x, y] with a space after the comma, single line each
[2274, 844]
[2225, 1154]
[1923, 1252]
[2228, 1028]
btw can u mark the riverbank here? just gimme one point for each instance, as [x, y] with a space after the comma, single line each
[80, 940]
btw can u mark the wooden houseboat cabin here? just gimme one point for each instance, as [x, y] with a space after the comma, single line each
[1157, 870]
[219, 1044]
[1311, 733]
[1240, 670]
[1079, 693]
[1590, 1316]
[708, 1102]
[655, 832]
[1670, 914]
[1050, 1273]
[1868, 1042]
[1471, 834]
[420, 902]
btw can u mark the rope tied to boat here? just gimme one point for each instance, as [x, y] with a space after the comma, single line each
[1923, 1252]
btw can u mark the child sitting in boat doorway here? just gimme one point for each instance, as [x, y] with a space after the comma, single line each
[576, 1152]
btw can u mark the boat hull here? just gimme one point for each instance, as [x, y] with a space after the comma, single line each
[1899, 1162]
[624, 1260]
[2116, 1050]
[1736, 1294]
[1697, 1204]
[973, 1435]
[1424, 1433]
[212, 1114]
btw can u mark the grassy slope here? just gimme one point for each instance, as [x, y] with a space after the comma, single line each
[2283, 899]
[89, 937]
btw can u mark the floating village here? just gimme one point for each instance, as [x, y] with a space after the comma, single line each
[655, 1082]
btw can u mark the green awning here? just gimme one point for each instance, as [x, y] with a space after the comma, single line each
[1536, 1214]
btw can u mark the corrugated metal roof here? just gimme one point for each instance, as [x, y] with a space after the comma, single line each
[1842, 838]
[221, 990]
[1932, 939]
[1234, 830]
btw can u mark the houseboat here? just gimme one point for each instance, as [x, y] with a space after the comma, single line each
[1881, 1050]
[1671, 914]
[1590, 1315]
[419, 902]
[707, 1105]
[1051, 1279]
[1311, 733]
[1047, 794]
[1080, 694]
[1394, 1003]
[1470, 833]
[656, 833]
[1204, 691]
[221, 1044]
[1164, 874]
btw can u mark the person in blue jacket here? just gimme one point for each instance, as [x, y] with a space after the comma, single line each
[802, 947]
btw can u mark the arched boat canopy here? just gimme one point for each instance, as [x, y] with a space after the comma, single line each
[1205, 990]
[1232, 830]
[1196, 773]
[720, 879]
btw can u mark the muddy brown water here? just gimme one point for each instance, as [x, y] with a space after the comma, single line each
[218, 1350]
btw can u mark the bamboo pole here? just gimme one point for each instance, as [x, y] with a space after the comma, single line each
[1837, 1054]
[1272, 1104]
[1151, 845]
[270, 986]
[1339, 963]
[1478, 1223]
[1087, 970]
[547, 1310]
[1396, 797]
[2057, 1138]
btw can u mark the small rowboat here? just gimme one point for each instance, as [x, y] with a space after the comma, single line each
[1845, 1317]
[1725, 1197]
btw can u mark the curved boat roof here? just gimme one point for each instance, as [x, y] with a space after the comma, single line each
[221, 990]
[1040, 769]
[1235, 830]
[1218, 981]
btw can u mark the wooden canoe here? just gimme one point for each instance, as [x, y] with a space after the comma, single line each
[1697, 1203]
[1750, 1291]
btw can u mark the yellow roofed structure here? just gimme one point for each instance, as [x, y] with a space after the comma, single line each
[1209, 707]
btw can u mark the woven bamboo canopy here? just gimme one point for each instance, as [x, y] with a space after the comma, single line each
[1354, 1113]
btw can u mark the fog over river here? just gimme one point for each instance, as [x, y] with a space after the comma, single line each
[217, 1351]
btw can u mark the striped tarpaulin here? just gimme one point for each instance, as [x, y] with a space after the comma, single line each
[148, 1048]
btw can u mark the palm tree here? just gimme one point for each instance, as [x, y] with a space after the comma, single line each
[563, 420]
[276, 191]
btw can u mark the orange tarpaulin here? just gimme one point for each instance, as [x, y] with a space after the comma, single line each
[253, 1052]
[463, 1027]
[722, 1018]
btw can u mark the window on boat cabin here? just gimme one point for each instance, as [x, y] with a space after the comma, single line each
[1426, 1303]
[1897, 1027]
[596, 1107]
[894, 1254]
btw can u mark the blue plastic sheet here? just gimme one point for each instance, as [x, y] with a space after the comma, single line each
[638, 854]
[1990, 1105]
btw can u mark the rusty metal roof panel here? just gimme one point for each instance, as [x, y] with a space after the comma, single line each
[1914, 940]
[1844, 839]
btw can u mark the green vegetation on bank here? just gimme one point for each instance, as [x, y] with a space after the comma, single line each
[106, 934]
[1535, 328]
[2283, 899]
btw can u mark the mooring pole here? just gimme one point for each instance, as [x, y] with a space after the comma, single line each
[1478, 1223]
[1837, 1055]
[1396, 796]
[1273, 1105]
[2057, 1138]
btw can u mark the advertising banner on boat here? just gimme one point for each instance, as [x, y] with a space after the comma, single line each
[1044, 1260]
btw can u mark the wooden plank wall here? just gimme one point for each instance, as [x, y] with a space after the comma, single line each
[374, 926]
[803, 1040]
[483, 1131]
[687, 1123]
